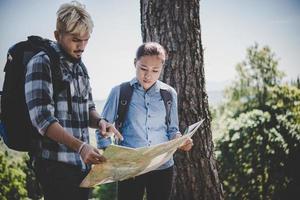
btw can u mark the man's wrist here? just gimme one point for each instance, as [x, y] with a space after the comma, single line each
[81, 147]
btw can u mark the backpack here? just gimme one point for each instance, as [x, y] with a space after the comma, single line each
[16, 128]
[126, 92]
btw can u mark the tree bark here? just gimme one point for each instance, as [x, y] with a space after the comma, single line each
[175, 24]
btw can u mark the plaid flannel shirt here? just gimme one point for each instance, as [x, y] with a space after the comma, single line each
[44, 111]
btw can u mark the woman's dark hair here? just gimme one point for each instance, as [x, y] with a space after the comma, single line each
[151, 49]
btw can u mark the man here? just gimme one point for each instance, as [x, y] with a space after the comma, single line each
[63, 155]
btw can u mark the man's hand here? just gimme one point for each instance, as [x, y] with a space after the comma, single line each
[107, 130]
[187, 145]
[91, 155]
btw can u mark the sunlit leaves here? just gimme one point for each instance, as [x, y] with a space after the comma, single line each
[260, 120]
[12, 179]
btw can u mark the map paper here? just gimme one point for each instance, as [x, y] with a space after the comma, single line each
[125, 162]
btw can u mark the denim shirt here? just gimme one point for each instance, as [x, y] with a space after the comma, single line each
[144, 124]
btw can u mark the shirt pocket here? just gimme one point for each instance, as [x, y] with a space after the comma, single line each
[62, 111]
[158, 109]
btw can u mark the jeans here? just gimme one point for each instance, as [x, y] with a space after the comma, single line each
[60, 180]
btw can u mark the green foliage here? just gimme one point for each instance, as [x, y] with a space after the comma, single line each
[254, 75]
[18, 180]
[259, 151]
[105, 192]
[12, 179]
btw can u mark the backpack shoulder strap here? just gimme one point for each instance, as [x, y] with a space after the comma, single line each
[126, 92]
[167, 98]
[56, 73]
[45, 45]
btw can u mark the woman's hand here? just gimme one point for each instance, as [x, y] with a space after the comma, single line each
[187, 145]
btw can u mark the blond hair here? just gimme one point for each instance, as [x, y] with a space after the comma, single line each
[74, 19]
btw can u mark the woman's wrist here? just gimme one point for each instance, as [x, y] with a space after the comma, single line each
[176, 135]
[98, 121]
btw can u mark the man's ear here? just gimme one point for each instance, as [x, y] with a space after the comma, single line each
[56, 35]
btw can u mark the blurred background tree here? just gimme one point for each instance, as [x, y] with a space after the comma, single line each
[105, 192]
[17, 179]
[258, 153]
[12, 178]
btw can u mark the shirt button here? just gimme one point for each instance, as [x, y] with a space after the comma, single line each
[148, 128]
[148, 104]
[149, 116]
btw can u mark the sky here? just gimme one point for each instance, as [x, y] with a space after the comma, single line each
[228, 28]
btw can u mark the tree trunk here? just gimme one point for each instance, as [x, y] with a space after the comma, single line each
[176, 25]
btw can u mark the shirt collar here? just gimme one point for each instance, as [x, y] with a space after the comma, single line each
[134, 81]
[155, 88]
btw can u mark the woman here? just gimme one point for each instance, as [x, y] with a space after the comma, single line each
[145, 123]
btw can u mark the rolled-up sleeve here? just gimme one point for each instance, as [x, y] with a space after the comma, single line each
[39, 92]
[111, 105]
